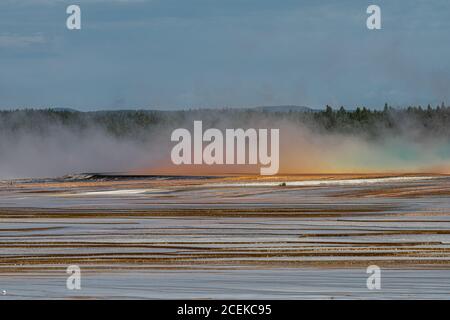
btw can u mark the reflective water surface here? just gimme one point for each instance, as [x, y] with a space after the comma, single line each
[226, 237]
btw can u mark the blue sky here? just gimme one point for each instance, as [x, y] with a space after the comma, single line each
[173, 54]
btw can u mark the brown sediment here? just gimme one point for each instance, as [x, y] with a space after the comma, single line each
[39, 213]
[195, 226]
[140, 265]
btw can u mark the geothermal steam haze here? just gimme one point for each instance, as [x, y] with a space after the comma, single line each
[216, 53]
[46, 148]
[63, 152]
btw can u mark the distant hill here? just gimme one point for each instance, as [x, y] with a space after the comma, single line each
[64, 109]
[285, 109]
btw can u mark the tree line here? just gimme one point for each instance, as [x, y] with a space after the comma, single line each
[372, 123]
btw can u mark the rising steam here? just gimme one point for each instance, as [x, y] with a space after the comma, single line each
[46, 147]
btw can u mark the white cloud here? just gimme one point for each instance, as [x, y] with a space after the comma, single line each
[20, 41]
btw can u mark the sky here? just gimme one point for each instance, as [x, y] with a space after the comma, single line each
[176, 54]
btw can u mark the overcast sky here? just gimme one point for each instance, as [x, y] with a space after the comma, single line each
[172, 54]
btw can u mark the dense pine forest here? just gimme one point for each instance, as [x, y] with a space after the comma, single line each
[136, 124]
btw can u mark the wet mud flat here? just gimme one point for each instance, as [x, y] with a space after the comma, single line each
[220, 236]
